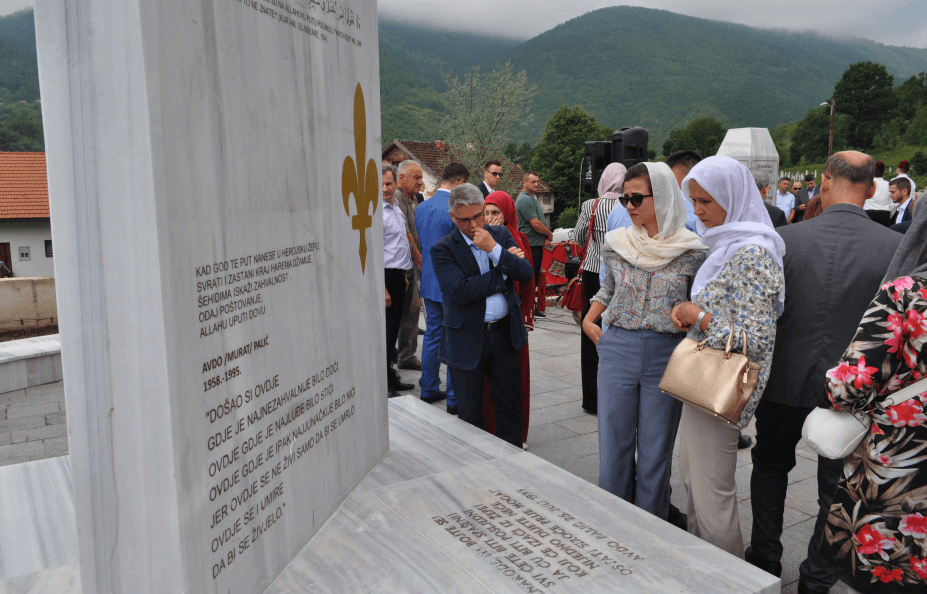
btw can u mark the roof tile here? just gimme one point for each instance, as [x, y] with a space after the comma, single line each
[23, 186]
[434, 159]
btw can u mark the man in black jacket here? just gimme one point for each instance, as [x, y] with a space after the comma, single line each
[803, 197]
[476, 266]
[833, 266]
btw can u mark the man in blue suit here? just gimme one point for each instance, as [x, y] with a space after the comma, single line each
[433, 222]
[476, 265]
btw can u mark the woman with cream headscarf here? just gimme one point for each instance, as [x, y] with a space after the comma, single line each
[609, 187]
[741, 283]
[649, 268]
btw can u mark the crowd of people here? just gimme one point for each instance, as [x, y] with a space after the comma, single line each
[825, 293]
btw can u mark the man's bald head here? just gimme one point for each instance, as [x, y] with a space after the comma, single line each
[848, 179]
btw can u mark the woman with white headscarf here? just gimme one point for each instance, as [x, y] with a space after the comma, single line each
[649, 269]
[609, 191]
[740, 284]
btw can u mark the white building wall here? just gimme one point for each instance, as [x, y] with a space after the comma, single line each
[30, 234]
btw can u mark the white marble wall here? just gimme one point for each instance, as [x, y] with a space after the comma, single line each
[180, 135]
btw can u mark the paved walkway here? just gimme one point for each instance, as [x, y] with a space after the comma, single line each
[562, 433]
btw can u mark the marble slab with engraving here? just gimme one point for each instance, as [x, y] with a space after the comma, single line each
[452, 509]
[499, 521]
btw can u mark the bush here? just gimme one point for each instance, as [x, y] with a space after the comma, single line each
[918, 163]
[567, 218]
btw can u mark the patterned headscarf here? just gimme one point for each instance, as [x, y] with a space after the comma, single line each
[747, 221]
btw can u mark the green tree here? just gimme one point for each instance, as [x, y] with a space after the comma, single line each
[916, 133]
[865, 93]
[812, 135]
[909, 95]
[568, 218]
[21, 127]
[703, 135]
[559, 154]
[518, 154]
[484, 109]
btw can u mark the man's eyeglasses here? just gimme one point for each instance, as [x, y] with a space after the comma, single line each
[467, 221]
[495, 173]
[634, 199]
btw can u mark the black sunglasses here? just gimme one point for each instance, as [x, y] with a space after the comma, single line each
[634, 199]
[494, 174]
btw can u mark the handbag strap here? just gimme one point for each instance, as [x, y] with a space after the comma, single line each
[915, 389]
[589, 235]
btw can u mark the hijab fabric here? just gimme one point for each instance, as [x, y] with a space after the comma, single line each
[911, 256]
[610, 185]
[672, 238]
[507, 206]
[747, 221]
[611, 181]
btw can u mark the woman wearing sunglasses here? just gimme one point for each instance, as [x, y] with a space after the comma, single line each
[649, 268]
[740, 284]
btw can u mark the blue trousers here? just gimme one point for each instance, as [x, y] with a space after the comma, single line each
[430, 382]
[635, 417]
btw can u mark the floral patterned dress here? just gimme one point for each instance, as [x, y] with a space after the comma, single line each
[745, 293]
[877, 529]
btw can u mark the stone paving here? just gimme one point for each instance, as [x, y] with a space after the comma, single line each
[32, 424]
[561, 432]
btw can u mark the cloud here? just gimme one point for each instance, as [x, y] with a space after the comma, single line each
[9, 6]
[523, 19]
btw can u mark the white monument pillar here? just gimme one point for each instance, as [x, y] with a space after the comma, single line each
[754, 147]
[215, 196]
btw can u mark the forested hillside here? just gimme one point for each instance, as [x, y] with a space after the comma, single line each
[642, 67]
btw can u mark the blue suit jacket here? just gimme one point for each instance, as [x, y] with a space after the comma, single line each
[465, 291]
[433, 222]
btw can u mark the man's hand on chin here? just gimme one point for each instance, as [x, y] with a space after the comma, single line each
[484, 240]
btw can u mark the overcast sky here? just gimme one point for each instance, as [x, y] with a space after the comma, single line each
[893, 22]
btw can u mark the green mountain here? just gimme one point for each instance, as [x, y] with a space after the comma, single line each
[413, 62]
[643, 67]
[19, 71]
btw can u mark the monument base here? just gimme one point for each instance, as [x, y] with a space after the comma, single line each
[453, 509]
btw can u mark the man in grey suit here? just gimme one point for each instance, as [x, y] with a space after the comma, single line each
[833, 266]
[804, 196]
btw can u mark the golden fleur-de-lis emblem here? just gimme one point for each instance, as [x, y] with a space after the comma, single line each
[363, 183]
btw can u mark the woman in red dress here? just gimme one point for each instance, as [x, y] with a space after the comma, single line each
[500, 210]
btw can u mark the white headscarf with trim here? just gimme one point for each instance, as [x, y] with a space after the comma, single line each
[747, 221]
[672, 238]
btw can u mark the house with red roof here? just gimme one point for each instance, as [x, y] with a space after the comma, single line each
[25, 223]
[432, 156]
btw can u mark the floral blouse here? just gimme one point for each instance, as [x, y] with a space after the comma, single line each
[877, 526]
[636, 299]
[746, 292]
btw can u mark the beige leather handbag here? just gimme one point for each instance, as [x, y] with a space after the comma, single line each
[717, 382]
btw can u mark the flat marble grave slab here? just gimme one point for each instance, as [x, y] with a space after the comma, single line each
[37, 528]
[452, 509]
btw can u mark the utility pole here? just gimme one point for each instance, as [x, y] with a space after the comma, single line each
[830, 144]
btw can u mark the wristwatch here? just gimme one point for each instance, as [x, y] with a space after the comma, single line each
[698, 320]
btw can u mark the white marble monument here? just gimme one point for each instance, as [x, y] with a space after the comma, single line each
[212, 172]
[754, 147]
